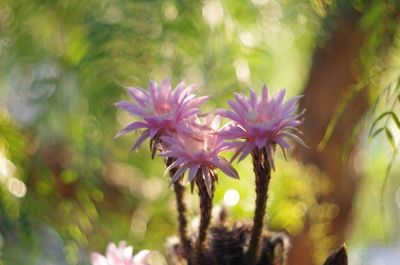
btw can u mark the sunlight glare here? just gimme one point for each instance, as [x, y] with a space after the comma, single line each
[213, 12]
[231, 197]
[242, 70]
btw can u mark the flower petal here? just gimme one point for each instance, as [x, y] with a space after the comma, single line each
[246, 150]
[98, 259]
[139, 95]
[165, 89]
[129, 107]
[178, 91]
[270, 155]
[227, 168]
[261, 141]
[253, 99]
[179, 173]
[207, 180]
[141, 257]
[153, 91]
[140, 140]
[295, 138]
[131, 127]
[193, 169]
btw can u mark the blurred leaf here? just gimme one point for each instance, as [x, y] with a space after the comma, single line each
[375, 133]
[383, 115]
[390, 138]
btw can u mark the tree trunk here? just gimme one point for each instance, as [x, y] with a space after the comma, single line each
[335, 71]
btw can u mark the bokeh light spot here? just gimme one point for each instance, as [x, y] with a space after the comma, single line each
[170, 12]
[231, 197]
[7, 168]
[16, 187]
[213, 12]
[242, 70]
[247, 39]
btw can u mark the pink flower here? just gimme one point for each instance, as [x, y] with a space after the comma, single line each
[161, 110]
[262, 122]
[196, 149]
[121, 255]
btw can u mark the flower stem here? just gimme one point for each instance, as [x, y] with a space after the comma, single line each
[205, 217]
[262, 171]
[182, 212]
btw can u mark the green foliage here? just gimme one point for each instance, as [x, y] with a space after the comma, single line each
[62, 66]
[389, 123]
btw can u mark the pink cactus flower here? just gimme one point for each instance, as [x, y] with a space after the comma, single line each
[121, 255]
[262, 122]
[161, 110]
[197, 150]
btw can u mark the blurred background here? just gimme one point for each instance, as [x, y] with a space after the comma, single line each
[67, 188]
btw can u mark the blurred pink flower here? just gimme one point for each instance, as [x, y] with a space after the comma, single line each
[161, 109]
[196, 149]
[262, 122]
[121, 255]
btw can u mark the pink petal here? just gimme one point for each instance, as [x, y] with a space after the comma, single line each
[98, 259]
[139, 95]
[265, 95]
[178, 91]
[242, 100]
[141, 257]
[131, 127]
[279, 97]
[207, 180]
[246, 150]
[187, 114]
[290, 105]
[279, 140]
[283, 151]
[153, 91]
[238, 150]
[179, 173]
[176, 163]
[227, 168]
[170, 140]
[240, 114]
[129, 107]
[233, 133]
[215, 121]
[140, 140]
[153, 132]
[231, 115]
[186, 92]
[270, 156]
[232, 145]
[165, 89]
[187, 99]
[253, 99]
[189, 90]
[127, 252]
[198, 101]
[193, 171]
[295, 138]
[260, 142]
[112, 254]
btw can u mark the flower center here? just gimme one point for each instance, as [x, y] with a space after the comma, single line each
[252, 117]
[163, 109]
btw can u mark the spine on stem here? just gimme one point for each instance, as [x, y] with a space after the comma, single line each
[182, 212]
[206, 205]
[262, 171]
